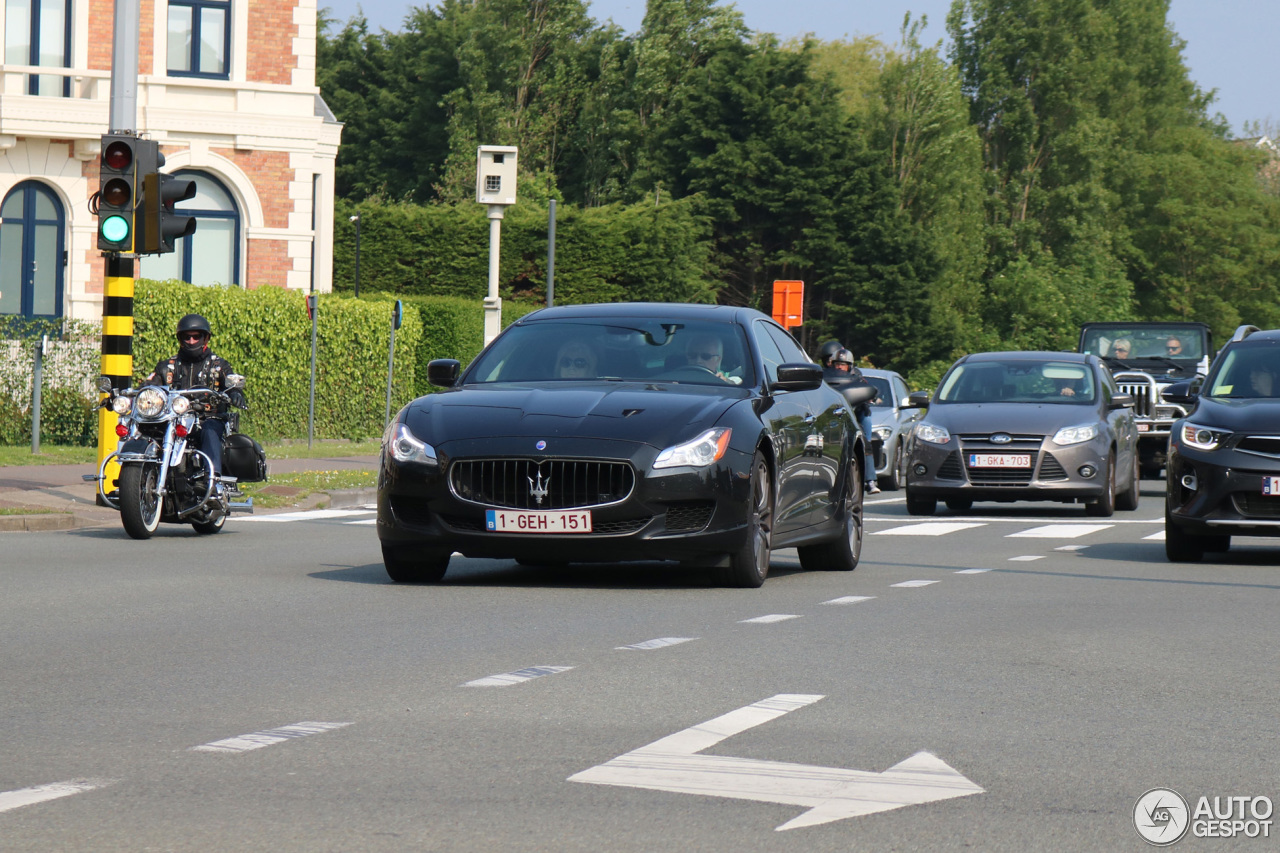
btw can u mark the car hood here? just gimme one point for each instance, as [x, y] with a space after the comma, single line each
[1260, 415]
[659, 415]
[1013, 418]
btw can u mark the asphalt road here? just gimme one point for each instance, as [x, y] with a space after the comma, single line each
[1058, 685]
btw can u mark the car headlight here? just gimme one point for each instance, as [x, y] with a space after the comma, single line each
[1203, 438]
[932, 434]
[121, 405]
[405, 447]
[149, 403]
[181, 405]
[882, 432]
[698, 453]
[1075, 434]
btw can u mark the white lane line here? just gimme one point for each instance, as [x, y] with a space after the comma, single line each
[1058, 531]
[1027, 558]
[972, 571]
[1155, 537]
[772, 617]
[879, 501]
[927, 528]
[257, 740]
[306, 515]
[912, 584]
[43, 793]
[849, 599]
[1071, 547]
[660, 643]
[363, 521]
[995, 519]
[507, 679]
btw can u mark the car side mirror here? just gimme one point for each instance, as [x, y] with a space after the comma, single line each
[1180, 392]
[1121, 401]
[917, 400]
[797, 376]
[443, 372]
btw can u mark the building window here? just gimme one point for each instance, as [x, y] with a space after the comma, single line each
[38, 32]
[212, 254]
[32, 247]
[199, 38]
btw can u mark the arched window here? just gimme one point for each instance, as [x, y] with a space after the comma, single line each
[32, 250]
[212, 254]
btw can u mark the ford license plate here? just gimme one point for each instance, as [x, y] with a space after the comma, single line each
[999, 460]
[1271, 485]
[544, 521]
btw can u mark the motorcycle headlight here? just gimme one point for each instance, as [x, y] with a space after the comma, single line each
[121, 405]
[698, 453]
[1203, 438]
[1075, 434]
[149, 403]
[932, 433]
[882, 432]
[181, 405]
[405, 447]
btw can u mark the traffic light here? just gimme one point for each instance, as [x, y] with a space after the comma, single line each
[117, 192]
[162, 225]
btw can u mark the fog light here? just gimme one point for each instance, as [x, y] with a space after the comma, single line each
[920, 470]
[1189, 481]
[1087, 471]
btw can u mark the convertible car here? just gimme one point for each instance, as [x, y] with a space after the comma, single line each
[604, 433]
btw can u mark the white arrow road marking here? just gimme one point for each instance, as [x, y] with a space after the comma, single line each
[257, 740]
[830, 793]
[928, 528]
[772, 617]
[1155, 537]
[660, 643]
[1059, 531]
[507, 679]
[912, 584]
[42, 793]
[973, 571]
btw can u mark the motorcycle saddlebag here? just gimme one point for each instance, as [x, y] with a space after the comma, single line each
[244, 459]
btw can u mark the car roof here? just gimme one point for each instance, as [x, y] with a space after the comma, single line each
[1263, 335]
[1015, 355]
[659, 310]
[1148, 324]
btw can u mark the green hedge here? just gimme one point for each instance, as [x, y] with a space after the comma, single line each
[67, 398]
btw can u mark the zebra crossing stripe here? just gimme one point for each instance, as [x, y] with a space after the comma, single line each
[43, 793]
[849, 599]
[1059, 531]
[660, 643]
[772, 617]
[507, 679]
[912, 584]
[257, 740]
[928, 528]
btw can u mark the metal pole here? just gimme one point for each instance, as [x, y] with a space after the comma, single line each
[493, 302]
[124, 66]
[311, 402]
[391, 366]
[551, 256]
[356, 220]
[37, 380]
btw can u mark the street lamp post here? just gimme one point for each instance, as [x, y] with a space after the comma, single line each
[356, 220]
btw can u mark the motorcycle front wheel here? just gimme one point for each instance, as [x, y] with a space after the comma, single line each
[140, 499]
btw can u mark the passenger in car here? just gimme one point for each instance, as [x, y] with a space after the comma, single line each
[1262, 381]
[575, 360]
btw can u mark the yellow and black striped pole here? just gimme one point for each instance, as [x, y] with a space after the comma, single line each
[117, 353]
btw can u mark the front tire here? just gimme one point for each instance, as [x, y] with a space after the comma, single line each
[749, 565]
[892, 481]
[1128, 499]
[917, 505]
[959, 504]
[403, 566]
[140, 500]
[1105, 505]
[842, 553]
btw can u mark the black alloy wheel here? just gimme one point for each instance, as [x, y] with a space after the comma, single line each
[749, 565]
[842, 553]
[405, 566]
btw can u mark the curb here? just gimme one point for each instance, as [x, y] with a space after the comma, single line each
[345, 498]
[39, 521]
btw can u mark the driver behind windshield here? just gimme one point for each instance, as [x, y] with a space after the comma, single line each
[706, 350]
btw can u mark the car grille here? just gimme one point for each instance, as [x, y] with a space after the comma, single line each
[689, 515]
[1051, 468]
[950, 469]
[982, 443]
[1256, 505]
[465, 524]
[1141, 392]
[1260, 445]
[559, 483]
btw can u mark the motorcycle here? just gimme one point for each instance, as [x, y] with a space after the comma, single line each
[163, 477]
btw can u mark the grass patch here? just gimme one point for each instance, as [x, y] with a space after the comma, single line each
[52, 454]
[14, 510]
[307, 482]
[296, 448]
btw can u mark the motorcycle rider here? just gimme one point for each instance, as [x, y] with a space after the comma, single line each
[839, 372]
[197, 366]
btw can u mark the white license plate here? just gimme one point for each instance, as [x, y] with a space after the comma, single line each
[546, 521]
[1144, 427]
[1271, 485]
[999, 460]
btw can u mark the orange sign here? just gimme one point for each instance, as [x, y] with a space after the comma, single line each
[788, 303]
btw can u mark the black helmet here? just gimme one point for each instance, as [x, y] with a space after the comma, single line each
[827, 351]
[193, 323]
[842, 356]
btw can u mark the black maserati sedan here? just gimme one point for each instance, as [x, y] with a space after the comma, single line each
[633, 431]
[1223, 476]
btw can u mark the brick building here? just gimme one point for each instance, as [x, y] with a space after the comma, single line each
[227, 87]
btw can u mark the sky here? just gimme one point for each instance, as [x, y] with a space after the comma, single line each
[1228, 42]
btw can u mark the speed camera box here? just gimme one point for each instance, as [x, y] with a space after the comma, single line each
[496, 174]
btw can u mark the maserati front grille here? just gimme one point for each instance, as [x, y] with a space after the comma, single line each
[541, 484]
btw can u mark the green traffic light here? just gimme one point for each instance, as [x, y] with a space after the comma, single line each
[115, 229]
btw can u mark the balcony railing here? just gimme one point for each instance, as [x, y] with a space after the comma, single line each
[86, 85]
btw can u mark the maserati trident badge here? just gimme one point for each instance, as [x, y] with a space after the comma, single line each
[539, 490]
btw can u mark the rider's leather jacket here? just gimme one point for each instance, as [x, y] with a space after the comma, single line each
[208, 372]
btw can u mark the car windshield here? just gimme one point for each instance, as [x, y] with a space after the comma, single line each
[884, 397]
[1144, 342]
[617, 349]
[1018, 381]
[1247, 370]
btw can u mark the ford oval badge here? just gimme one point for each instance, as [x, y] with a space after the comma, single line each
[1001, 438]
[541, 445]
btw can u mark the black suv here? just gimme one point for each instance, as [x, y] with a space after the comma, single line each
[1224, 457]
